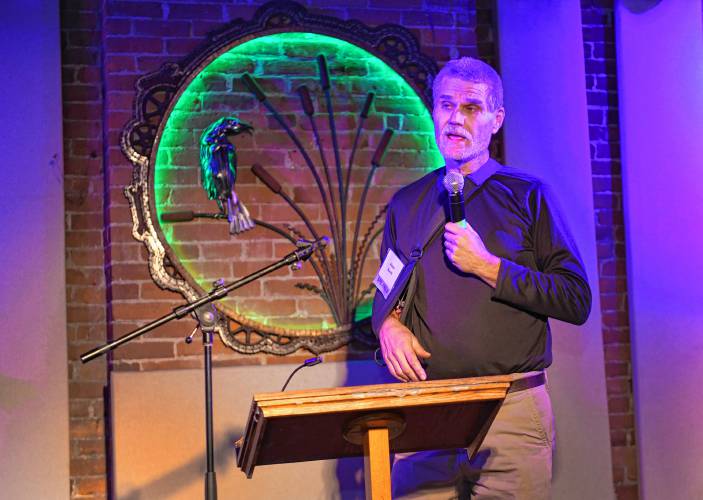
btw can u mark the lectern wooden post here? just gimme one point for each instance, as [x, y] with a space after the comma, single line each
[371, 420]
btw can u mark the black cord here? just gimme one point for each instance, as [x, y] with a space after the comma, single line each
[308, 362]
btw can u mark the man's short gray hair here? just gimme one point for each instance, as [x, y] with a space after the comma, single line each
[475, 71]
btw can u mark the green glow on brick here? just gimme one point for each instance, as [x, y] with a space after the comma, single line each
[291, 54]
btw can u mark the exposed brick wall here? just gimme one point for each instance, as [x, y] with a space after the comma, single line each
[107, 45]
[604, 133]
[85, 275]
[139, 37]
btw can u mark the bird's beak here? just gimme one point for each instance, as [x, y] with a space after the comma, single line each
[242, 127]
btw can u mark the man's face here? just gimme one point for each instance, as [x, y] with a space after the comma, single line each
[462, 120]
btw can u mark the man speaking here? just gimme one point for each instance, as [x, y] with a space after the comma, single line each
[472, 297]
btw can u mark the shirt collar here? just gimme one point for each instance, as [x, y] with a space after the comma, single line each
[479, 176]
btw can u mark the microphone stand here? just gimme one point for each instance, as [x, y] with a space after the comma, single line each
[207, 318]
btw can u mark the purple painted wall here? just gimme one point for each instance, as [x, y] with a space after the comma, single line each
[33, 375]
[660, 65]
[546, 133]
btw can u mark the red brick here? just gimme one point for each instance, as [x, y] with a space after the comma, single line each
[91, 447]
[612, 302]
[83, 221]
[617, 267]
[620, 404]
[78, 19]
[376, 16]
[174, 330]
[88, 75]
[198, 10]
[85, 313]
[232, 12]
[162, 28]
[427, 18]
[83, 38]
[88, 257]
[147, 64]
[120, 63]
[625, 457]
[139, 310]
[618, 437]
[88, 466]
[627, 492]
[81, 110]
[177, 46]
[133, 44]
[145, 349]
[81, 56]
[617, 369]
[202, 28]
[620, 385]
[624, 421]
[87, 332]
[79, 93]
[87, 295]
[127, 272]
[149, 291]
[134, 9]
[85, 389]
[92, 487]
[617, 352]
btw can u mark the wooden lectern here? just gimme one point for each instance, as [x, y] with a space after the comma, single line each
[370, 420]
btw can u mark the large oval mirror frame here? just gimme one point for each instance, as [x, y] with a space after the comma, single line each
[328, 180]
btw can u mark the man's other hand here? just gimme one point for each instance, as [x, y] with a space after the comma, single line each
[401, 351]
[465, 250]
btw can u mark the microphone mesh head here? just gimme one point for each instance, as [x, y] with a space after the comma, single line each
[453, 182]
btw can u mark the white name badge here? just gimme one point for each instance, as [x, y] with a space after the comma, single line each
[388, 274]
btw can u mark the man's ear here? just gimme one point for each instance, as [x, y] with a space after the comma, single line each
[500, 117]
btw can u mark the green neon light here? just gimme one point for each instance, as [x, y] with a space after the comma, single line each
[217, 91]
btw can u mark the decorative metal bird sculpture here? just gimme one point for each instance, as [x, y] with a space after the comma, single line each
[218, 170]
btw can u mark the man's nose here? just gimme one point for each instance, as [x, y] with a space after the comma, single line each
[456, 117]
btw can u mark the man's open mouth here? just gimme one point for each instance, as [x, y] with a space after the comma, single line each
[456, 137]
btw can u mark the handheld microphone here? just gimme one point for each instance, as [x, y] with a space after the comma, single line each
[454, 184]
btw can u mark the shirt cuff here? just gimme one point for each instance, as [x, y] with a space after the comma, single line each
[508, 270]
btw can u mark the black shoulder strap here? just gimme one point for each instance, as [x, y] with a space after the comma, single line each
[405, 287]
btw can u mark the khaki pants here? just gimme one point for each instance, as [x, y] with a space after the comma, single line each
[514, 462]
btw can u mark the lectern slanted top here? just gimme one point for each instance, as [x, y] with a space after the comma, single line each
[320, 424]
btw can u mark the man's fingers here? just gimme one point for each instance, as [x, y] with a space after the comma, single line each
[418, 373]
[405, 362]
[394, 369]
[450, 238]
[393, 365]
[420, 351]
[452, 228]
[390, 362]
[399, 348]
[397, 358]
[399, 372]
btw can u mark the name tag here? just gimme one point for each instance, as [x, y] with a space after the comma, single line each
[388, 274]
